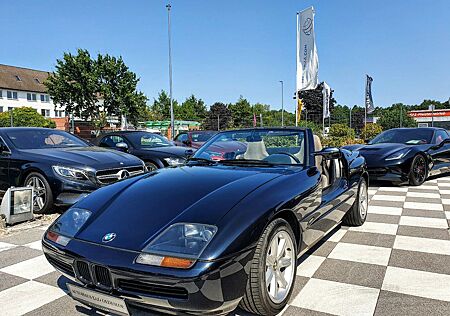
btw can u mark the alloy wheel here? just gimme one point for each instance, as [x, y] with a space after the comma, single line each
[39, 193]
[363, 200]
[280, 261]
[419, 169]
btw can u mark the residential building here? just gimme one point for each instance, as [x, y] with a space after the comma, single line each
[21, 87]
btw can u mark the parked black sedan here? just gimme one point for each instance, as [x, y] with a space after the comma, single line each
[155, 150]
[61, 167]
[407, 155]
[231, 238]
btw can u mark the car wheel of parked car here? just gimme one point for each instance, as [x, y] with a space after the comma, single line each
[357, 214]
[150, 166]
[419, 171]
[42, 196]
[272, 271]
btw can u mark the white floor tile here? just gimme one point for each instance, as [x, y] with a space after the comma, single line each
[30, 269]
[337, 236]
[26, 297]
[5, 246]
[428, 187]
[444, 192]
[424, 195]
[447, 214]
[424, 222]
[418, 283]
[337, 298]
[393, 189]
[424, 206]
[361, 253]
[35, 245]
[371, 191]
[394, 198]
[427, 245]
[444, 184]
[309, 266]
[385, 210]
[445, 201]
[379, 228]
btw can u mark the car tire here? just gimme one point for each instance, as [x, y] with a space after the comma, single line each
[42, 196]
[151, 166]
[357, 214]
[260, 296]
[419, 171]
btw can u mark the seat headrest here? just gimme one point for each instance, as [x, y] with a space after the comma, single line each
[254, 138]
[317, 143]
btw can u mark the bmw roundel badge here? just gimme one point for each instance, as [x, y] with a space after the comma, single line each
[109, 237]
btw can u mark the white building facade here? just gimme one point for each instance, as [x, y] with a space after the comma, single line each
[22, 87]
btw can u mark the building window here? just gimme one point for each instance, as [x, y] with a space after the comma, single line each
[1, 94]
[59, 113]
[1, 109]
[31, 97]
[37, 80]
[45, 112]
[10, 108]
[18, 78]
[12, 95]
[45, 98]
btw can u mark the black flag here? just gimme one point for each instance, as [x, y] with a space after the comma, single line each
[369, 101]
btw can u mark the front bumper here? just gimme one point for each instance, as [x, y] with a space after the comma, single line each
[209, 287]
[67, 193]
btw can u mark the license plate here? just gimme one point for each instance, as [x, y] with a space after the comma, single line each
[98, 300]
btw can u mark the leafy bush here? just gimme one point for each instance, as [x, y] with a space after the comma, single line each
[370, 131]
[341, 131]
[316, 129]
[25, 116]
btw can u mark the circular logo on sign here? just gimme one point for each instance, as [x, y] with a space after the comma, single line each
[123, 174]
[307, 26]
[109, 237]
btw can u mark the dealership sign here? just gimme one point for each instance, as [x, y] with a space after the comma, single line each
[429, 113]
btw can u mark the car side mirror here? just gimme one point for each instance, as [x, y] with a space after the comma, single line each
[329, 153]
[122, 146]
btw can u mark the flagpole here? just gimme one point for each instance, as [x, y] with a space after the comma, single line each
[296, 77]
[365, 104]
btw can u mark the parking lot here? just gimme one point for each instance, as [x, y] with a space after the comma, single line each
[397, 263]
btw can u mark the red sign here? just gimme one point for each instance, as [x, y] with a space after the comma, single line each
[429, 113]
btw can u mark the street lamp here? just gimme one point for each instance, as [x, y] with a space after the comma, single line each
[172, 119]
[282, 103]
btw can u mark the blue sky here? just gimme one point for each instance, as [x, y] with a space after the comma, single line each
[223, 49]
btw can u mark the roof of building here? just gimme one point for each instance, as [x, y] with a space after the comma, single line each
[23, 79]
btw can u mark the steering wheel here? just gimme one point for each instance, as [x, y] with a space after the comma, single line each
[291, 156]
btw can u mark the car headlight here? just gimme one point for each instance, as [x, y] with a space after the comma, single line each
[179, 246]
[173, 161]
[71, 173]
[67, 225]
[398, 155]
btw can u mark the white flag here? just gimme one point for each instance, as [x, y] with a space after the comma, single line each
[307, 59]
[326, 92]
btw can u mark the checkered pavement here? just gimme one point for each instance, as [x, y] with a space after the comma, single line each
[397, 263]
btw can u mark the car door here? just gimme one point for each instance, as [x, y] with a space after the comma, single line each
[5, 160]
[440, 155]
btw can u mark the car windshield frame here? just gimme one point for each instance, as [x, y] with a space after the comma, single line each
[28, 141]
[202, 134]
[233, 140]
[135, 138]
[399, 137]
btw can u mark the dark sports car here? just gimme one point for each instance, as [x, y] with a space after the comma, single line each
[408, 155]
[230, 236]
[156, 151]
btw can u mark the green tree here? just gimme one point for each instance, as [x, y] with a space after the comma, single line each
[218, 114]
[192, 109]
[92, 89]
[25, 116]
[241, 113]
[160, 109]
[370, 131]
[390, 117]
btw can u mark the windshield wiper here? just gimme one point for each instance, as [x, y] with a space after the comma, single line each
[201, 161]
[246, 162]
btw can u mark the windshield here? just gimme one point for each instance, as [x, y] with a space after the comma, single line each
[43, 138]
[147, 140]
[201, 136]
[411, 136]
[266, 146]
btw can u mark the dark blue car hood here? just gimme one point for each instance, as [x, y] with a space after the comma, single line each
[137, 209]
[382, 150]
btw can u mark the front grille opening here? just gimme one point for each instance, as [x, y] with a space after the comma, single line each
[139, 287]
[109, 176]
[61, 265]
[83, 271]
[102, 276]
